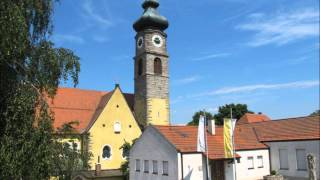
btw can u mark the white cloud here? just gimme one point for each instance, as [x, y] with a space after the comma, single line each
[67, 38]
[282, 28]
[250, 88]
[91, 13]
[188, 80]
[211, 56]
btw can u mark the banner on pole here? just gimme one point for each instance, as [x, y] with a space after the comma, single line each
[227, 138]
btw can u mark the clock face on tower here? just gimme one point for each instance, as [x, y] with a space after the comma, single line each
[157, 41]
[140, 42]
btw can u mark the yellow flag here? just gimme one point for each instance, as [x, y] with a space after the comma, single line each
[227, 137]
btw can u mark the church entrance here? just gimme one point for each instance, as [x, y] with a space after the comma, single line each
[217, 170]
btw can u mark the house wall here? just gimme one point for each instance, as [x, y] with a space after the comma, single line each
[102, 131]
[242, 168]
[291, 146]
[194, 166]
[153, 146]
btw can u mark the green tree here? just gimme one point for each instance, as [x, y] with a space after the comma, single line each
[238, 110]
[31, 68]
[68, 157]
[126, 146]
[196, 116]
[315, 113]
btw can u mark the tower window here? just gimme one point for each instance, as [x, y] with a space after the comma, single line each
[157, 66]
[140, 67]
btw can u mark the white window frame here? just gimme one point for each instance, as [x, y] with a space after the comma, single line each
[251, 165]
[262, 165]
[305, 161]
[136, 167]
[117, 127]
[110, 152]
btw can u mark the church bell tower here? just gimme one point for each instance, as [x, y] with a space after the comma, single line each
[151, 80]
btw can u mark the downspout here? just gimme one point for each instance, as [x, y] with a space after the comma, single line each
[181, 159]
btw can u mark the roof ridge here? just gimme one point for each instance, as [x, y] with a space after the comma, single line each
[80, 89]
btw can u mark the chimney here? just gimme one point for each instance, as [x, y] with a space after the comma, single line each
[212, 127]
[98, 167]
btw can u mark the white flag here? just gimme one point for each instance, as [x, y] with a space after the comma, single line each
[201, 145]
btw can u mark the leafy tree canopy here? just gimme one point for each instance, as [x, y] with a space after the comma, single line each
[315, 113]
[31, 68]
[238, 110]
[196, 116]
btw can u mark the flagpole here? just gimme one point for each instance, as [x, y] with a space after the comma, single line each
[233, 146]
[207, 149]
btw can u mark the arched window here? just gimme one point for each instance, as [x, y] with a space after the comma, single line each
[140, 67]
[157, 66]
[106, 152]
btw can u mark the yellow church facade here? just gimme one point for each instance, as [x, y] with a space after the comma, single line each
[112, 118]
[106, 117]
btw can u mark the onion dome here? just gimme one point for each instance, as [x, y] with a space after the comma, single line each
[151, 17]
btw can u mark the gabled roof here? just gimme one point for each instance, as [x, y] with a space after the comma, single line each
[291, 129]
[84, 106]
[184, 138]
[252, 118]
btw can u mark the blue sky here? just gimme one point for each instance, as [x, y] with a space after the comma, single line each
[264, 53]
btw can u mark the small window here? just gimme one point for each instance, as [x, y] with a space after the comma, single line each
[117, 127]
[106, 152]
[301, 159]
[138, 165]
[146, 166]
[125, 152]
[140, 67]
[155, 167]
[250, 163]
[157, 66]
[283, 157]
[260, 161]
[165, 168]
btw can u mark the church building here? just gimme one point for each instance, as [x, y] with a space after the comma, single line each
[111, 118]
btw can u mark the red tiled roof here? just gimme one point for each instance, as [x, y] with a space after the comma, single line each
[252, 118]
[248, 136]
[300, 128]
[184, 138]
[84, 106]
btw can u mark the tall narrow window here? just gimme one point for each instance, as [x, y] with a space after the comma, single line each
[140, 67]
[283, 156]
[260, 161]
[157, 66]
[138, 165]
[165, 168]
[250, 163]
[301, 159]
[146, 166]
[155, 167]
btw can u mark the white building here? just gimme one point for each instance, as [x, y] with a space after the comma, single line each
[262, 145]
[169, 152]
[290, 141]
